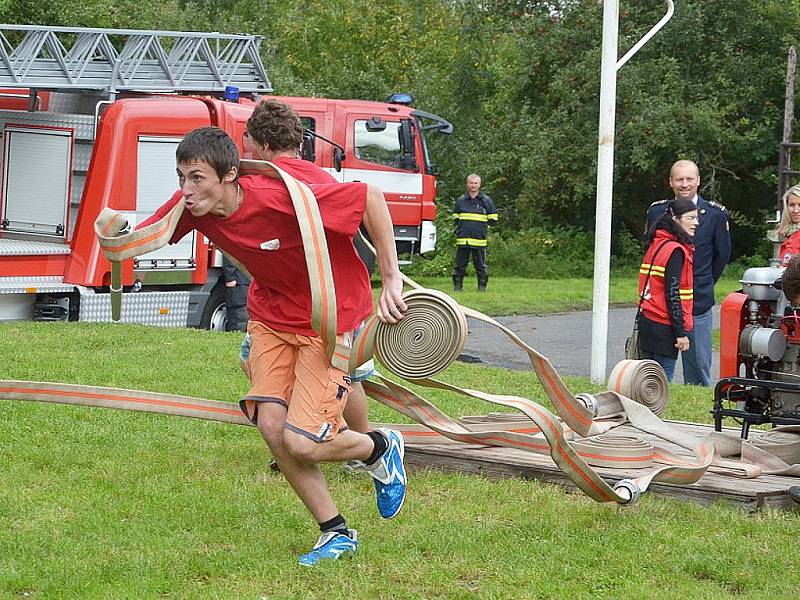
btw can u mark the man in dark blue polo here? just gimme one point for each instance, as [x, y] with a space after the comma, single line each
[712, 250]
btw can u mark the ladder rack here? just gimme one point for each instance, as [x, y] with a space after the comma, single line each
[116, 60]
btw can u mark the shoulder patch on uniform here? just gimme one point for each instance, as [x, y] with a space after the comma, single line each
[657, 202]
[717, 205]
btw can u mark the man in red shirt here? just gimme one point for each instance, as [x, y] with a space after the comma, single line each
[275, 133]
[296, 397]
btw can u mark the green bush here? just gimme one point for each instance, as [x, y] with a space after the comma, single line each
[737, 268]
[438, 263]
[554, 253]
[543, 253]
[626, 251]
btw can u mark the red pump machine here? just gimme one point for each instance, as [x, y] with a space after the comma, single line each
[759, 354]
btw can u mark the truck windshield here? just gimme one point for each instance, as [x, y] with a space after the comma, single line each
[384, 145]
[429, 122]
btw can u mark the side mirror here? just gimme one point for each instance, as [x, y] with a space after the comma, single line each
[376, 124]
[407, 144]
[307, 148]
[338, 159]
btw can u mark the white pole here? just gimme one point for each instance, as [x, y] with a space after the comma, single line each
[646, 37]
[605, 188]
[605, 175]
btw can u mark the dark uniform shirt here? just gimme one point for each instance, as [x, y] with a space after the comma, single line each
[472, 216]
[712, 248]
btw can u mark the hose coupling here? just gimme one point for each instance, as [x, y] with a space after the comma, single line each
[627, 488]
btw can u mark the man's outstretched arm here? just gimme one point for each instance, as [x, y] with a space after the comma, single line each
[378, 224]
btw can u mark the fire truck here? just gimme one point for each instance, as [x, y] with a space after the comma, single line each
[90, 118]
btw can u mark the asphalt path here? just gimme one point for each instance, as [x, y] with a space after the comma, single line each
[564, 338]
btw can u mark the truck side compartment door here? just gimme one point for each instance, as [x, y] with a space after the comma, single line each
[37, 167]
[156, 179]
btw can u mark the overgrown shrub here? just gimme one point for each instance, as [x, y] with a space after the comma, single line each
[626, 250]
[554, 253]
[543, 253]
[558, 251]
[438, 263]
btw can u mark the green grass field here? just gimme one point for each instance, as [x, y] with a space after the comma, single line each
[98, 503]
[520, 296]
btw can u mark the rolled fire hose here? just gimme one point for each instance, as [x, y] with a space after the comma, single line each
[780, 442]
[436, 320]
[643, 381]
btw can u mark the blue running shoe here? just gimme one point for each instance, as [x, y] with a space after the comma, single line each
[390, 475]
[331, 545]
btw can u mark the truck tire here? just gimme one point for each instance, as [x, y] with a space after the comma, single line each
[214, 314]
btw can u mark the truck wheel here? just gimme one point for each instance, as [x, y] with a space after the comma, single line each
[214, 314]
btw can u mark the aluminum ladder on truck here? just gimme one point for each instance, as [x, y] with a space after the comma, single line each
[117, 60]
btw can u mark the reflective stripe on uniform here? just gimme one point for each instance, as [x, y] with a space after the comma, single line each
[471, 242]
[472, 217]
[653, 270]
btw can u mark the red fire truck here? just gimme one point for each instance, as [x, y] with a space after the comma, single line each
[97, 126]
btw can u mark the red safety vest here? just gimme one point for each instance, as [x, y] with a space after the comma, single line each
[654, 304]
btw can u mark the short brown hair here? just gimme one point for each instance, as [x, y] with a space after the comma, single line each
[276, 125]
[790, 281]
[210, 145]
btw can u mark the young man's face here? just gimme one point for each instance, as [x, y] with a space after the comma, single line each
[201, 186]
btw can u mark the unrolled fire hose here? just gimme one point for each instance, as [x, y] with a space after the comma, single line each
[426, 341]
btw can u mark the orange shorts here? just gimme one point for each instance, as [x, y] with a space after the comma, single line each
[294, 371]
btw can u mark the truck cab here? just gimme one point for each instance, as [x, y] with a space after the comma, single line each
[67, 154]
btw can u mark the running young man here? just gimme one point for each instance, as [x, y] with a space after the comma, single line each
[296, 397]
[275, 133]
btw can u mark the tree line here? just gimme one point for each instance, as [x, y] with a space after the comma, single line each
[519, 80]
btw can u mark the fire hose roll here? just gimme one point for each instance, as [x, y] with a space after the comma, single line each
[783, 442]
[427, 340]
[643, 381]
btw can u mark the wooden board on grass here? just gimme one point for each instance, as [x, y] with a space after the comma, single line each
[766, 491]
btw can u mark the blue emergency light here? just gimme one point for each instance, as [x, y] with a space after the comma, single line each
[401, 98]
[231, 93]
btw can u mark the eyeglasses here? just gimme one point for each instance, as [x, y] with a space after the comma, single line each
[694, 218]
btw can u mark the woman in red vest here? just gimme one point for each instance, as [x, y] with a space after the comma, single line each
[789, 227]
[665, 285]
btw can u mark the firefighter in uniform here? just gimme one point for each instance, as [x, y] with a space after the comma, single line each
[472, 213]
[712, 250]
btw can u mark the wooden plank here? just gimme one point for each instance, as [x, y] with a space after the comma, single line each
[767, 491]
